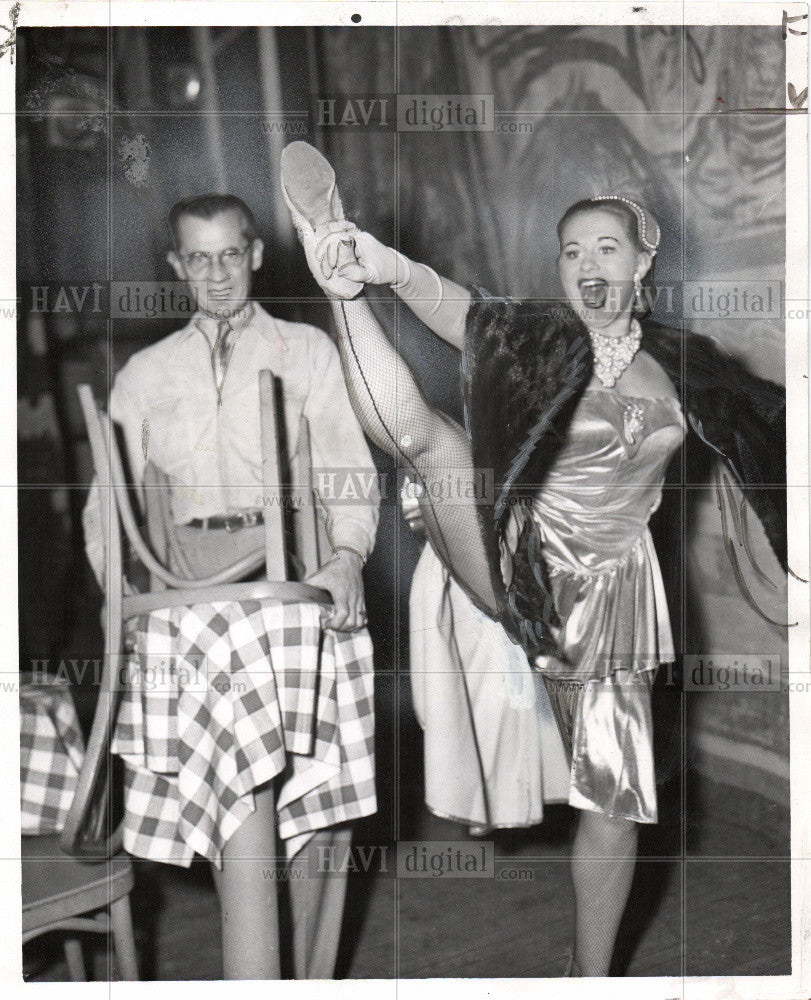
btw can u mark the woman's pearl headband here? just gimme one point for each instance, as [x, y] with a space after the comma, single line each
[646, 224]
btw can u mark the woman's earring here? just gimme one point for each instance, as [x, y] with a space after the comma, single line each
[639, 300]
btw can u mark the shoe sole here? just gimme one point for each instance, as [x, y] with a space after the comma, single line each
[309, 182]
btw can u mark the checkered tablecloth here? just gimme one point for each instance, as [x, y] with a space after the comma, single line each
[222, 698]
[51, 752]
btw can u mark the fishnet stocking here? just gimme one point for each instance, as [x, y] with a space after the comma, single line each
[431, 446]
[603, 862]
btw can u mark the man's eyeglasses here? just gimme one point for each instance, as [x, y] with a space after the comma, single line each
[199, 262]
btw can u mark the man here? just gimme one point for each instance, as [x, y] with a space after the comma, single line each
[190, 404]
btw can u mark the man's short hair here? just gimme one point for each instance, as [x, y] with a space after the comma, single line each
[206, 206]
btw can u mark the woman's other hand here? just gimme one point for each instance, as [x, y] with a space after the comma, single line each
[410, 502]
[328, 249]
[347, 259]
[374, 263]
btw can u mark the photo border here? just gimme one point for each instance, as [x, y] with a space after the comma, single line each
[403, 14]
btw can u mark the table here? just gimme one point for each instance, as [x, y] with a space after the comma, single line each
[222, 697]
[51, 752]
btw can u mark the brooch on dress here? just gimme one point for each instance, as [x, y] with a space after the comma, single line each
[633, 420]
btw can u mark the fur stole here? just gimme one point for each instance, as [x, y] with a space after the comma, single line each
[525, 367]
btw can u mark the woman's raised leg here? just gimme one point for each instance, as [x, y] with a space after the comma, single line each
[433, 448]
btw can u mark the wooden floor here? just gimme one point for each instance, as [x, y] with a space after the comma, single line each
[711, 897]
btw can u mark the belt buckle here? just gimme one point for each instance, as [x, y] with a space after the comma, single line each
[242, 519]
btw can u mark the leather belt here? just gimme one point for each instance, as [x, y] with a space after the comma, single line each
[229, 522]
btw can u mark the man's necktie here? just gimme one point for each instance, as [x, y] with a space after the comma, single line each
[221, 354]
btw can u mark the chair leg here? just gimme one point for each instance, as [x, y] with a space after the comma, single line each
[75, 960]
[317, 904]
[124, 937]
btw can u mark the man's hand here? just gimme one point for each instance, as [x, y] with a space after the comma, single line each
[341, 576]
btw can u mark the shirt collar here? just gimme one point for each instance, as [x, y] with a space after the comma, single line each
[209, 324]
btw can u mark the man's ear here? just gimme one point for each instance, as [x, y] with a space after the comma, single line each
[176, 264]
[257, 249]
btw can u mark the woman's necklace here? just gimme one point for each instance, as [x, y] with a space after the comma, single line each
[612, 355]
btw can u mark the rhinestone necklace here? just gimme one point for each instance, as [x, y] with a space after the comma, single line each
[612, 355]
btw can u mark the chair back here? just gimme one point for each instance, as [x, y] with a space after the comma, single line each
[294, 499]
[88, 830]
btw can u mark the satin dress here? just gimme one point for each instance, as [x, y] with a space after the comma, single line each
[492, 752]
[592, 517]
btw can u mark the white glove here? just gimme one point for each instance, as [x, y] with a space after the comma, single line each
[326, 249]
[343, 259]
[375, 263]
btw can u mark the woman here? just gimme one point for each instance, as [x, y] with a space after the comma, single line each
[576, 410]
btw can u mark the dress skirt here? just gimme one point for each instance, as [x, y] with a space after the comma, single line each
[493, 754]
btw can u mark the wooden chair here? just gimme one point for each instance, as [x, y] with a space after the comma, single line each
[91, 875]
[77, 896]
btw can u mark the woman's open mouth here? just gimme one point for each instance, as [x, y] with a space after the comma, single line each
[593, 292]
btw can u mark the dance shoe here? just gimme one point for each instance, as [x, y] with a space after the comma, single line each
[311, 194]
